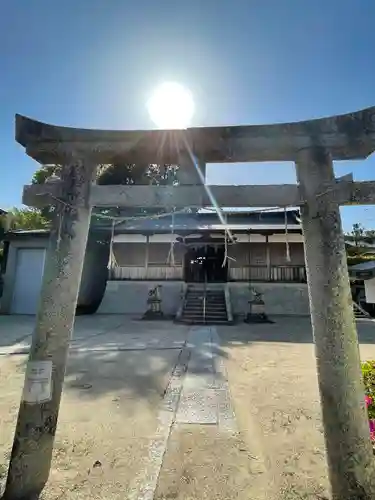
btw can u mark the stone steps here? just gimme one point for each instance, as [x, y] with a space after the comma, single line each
[204, 307]
[360, 313]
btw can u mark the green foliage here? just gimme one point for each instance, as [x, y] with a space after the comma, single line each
[42, 174]
[120, 173]
[360, 234]
[360, 252]
[125, 173]
[2, 233]
[356, 251]
[368, 373]
[3, 226]
[358, 259]
[25, 218]
[129, 174]
[116, 174]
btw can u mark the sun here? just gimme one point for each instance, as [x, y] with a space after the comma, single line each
[171, 106]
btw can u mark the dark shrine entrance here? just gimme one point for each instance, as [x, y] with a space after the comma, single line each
[204, 264]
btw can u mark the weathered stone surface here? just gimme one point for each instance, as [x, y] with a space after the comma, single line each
[345, 193]
[349, 451]
[205, 395]
[347, 136]
[32, 448]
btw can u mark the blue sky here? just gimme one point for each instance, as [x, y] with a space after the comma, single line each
[94, 63]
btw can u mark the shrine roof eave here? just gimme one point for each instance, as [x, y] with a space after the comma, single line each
[349, 136]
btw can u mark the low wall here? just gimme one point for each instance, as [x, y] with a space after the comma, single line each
[279, 298]
[130, 297]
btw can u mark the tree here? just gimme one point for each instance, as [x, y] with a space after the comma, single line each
[3, 225]
[120, 173]
[24, 218]
[44, 172]
[369, 235]
[3, 228]
[116, 174]
[125, 173]
[358, 232]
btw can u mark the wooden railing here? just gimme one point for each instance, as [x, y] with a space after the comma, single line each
[283, 274]
[136, 273]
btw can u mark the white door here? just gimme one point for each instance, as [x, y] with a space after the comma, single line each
[28, 280]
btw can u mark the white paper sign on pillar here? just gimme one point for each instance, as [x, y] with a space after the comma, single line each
[38, 382]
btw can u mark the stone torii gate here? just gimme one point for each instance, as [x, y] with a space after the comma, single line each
[312, 145]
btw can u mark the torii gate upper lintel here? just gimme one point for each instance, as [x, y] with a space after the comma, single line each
[345, 137]
[312, 145]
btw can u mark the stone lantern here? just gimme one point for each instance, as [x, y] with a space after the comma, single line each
[257, 313]
[154, 304]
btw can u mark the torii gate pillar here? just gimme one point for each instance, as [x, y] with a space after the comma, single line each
[349, 454]
[38, 413]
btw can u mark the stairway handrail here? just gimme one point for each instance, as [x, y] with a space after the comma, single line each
[204, 296]
[359, 308]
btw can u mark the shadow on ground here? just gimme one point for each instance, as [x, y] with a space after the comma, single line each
[131, 358]
[120, 368]
[285, 330]
[114, 355]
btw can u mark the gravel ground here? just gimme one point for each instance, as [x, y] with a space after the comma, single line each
[109, 408]
[112, 398]
[203, 463]
[274, 389]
